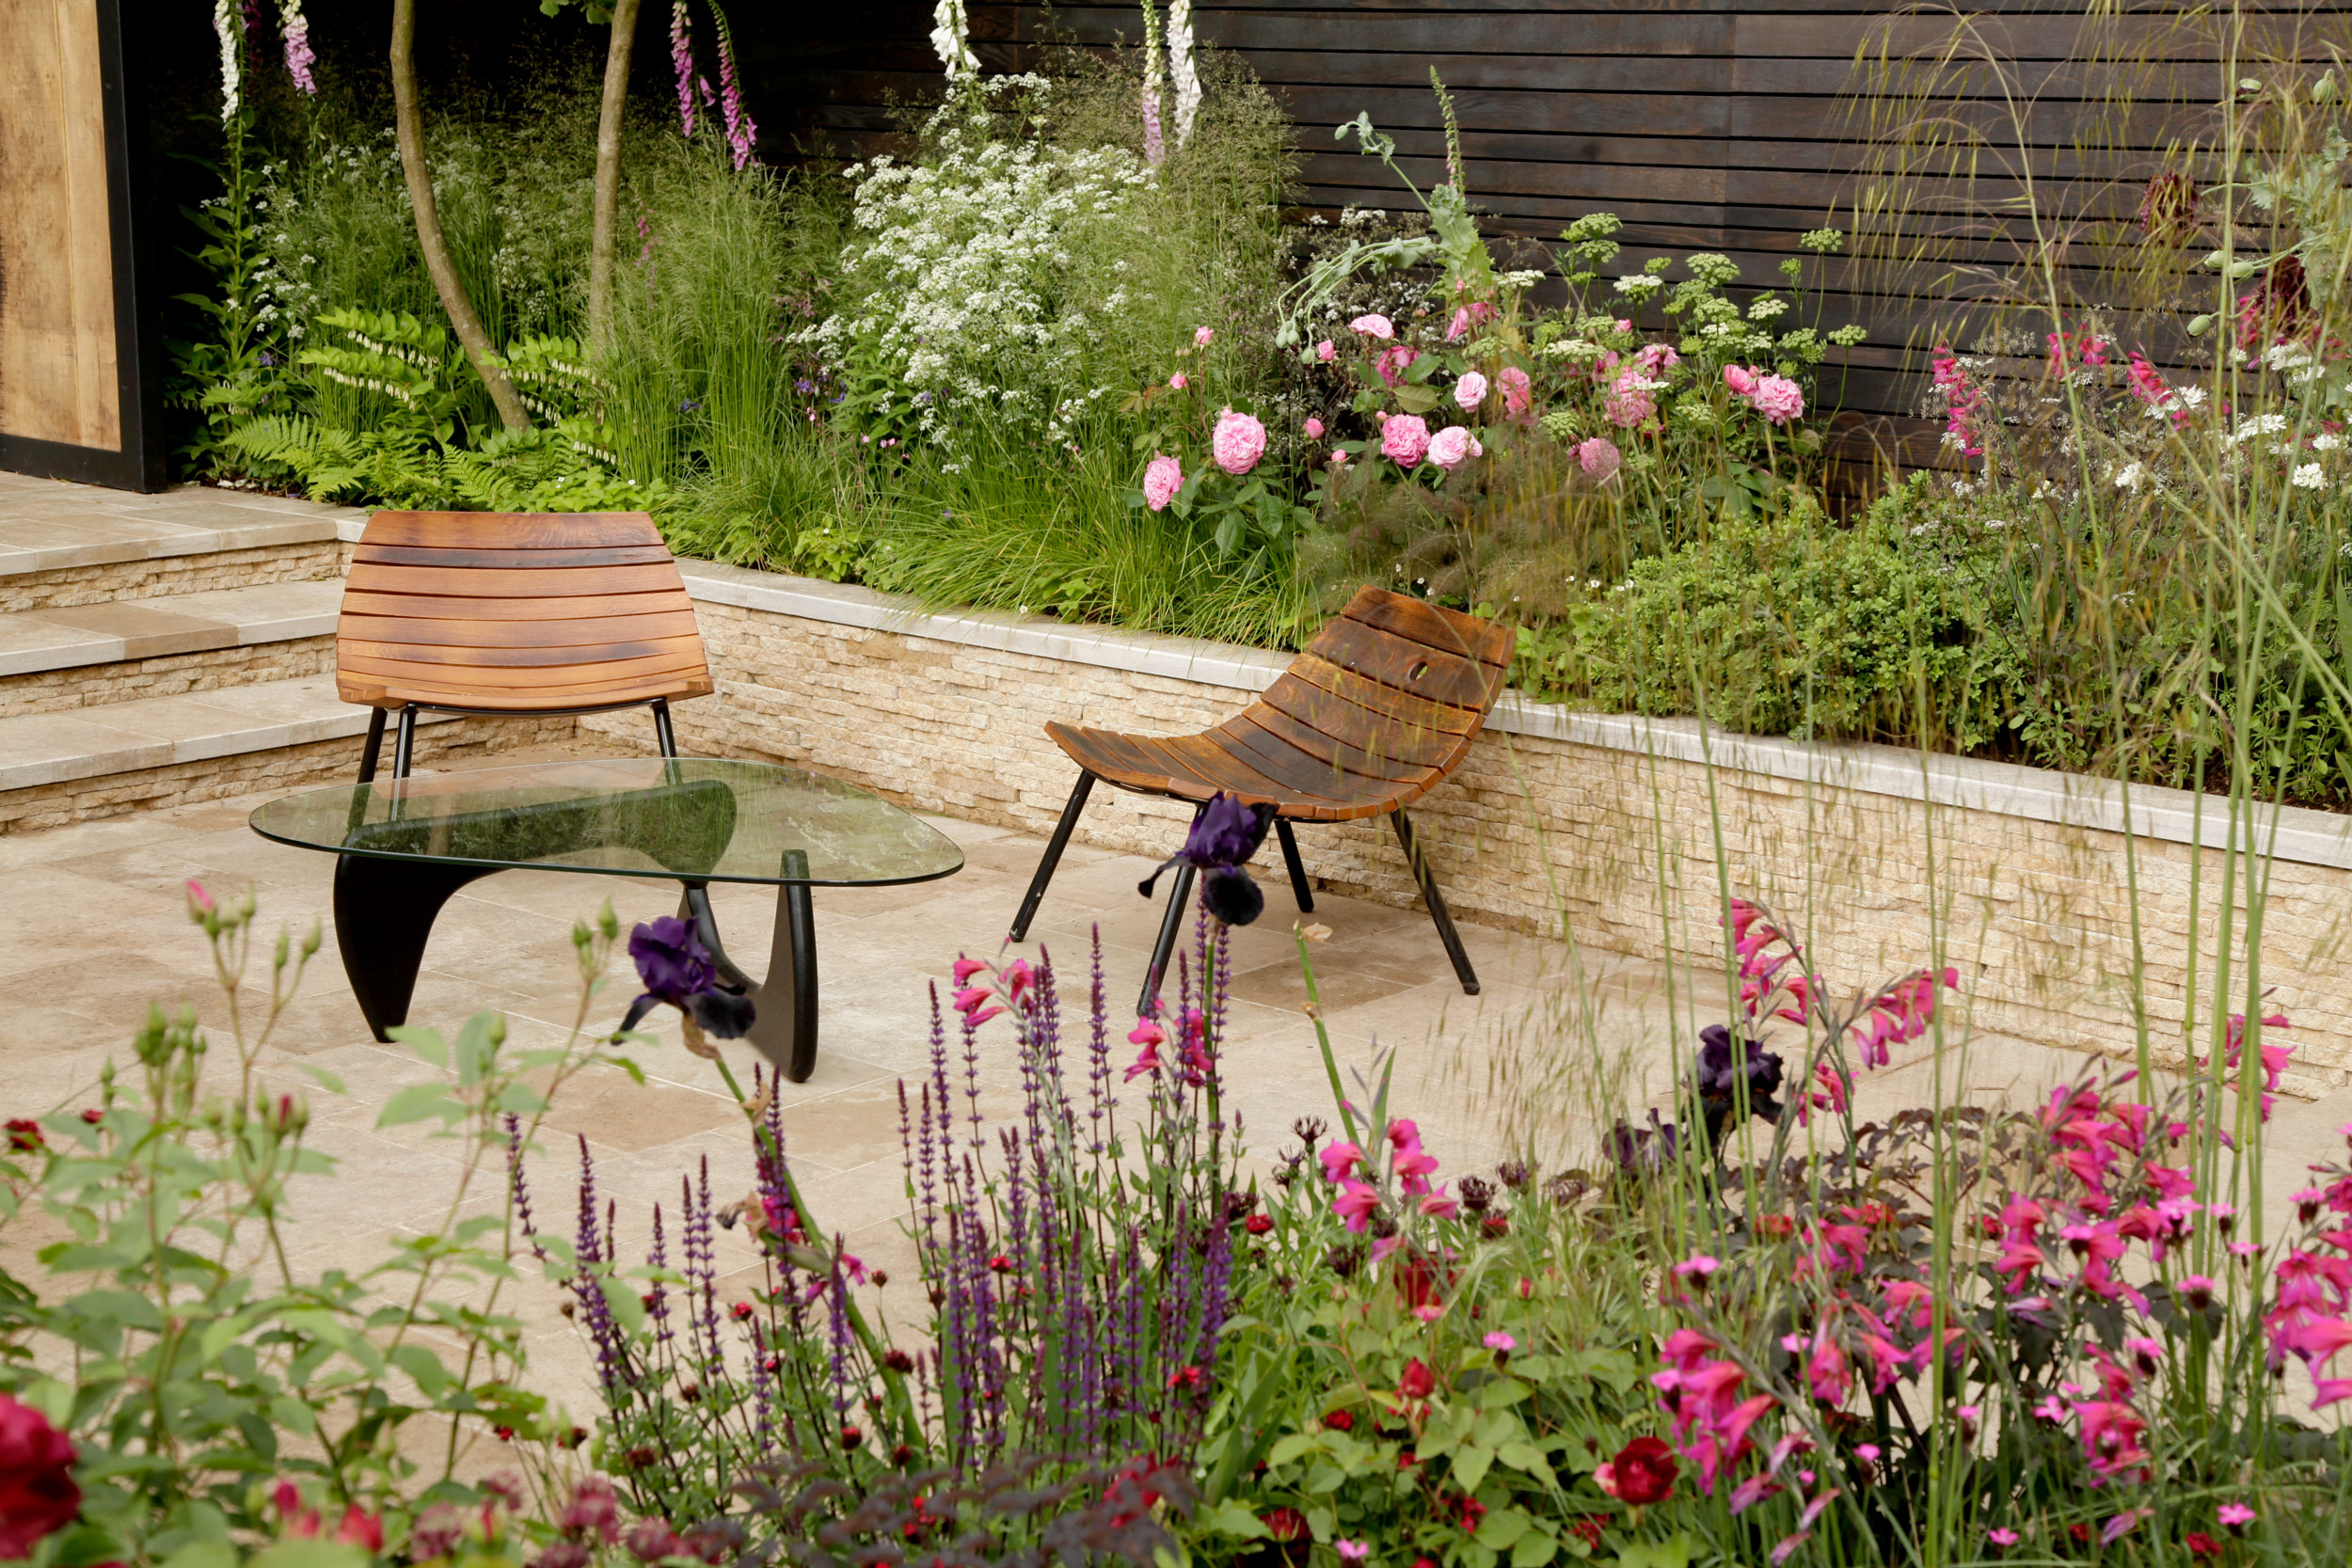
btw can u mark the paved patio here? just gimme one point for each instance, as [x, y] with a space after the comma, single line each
[93, 926]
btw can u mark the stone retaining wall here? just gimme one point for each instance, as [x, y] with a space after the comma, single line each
[153, 576]
[1557, 814]
[91, 685]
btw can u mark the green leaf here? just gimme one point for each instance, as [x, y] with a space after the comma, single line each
[418, 1102]
[420, 1362]
[313, 1553]
[1527, 1457]
[629, 1309]
[1230, 1517]
[1416, 400]
[1503, 1528]
[426, 1044]
[1470, 1462]
[1673, 1552]
[203, 1554]
[1290, 1447]
[1535, 1547]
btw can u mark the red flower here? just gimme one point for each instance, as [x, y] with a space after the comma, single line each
[25, 1136]
[1587, 1528]
[1340, 1420]
[2200, 1545]
[741, 1310]
[1642, 1474]
[361, 1528]
[1417, 1381]
[1473, 1511]
[851, 1438]
[93, 1115]
[1284, 1524]
[37, 1490]
[1001, 1263]
[1185, 1377]
[1496, 1224]
[1258, 1225]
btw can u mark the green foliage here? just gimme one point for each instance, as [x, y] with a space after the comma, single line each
[203, 1363]
[1786, 625]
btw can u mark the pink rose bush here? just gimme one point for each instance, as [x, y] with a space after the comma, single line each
[1162, 478]
[1237, 443]
[1404, 439]
[1452, 447]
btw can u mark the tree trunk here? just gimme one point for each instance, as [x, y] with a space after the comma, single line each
[407, 117]
[608, 174]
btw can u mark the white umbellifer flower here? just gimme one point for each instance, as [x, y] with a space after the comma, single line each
[2129, 476]
[2261, 424]
[951, 41]
[1766, 307]
[229, 23]
[1638, 283]
[2307, 476]
[2326, 442]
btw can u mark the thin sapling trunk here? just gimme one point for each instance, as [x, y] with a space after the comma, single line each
[609, 126]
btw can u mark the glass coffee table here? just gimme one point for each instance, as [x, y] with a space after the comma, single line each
[405, 846]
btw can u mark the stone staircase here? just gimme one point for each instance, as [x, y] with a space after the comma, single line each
[160, 650]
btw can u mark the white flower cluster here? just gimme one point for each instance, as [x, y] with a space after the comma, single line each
[968, 300]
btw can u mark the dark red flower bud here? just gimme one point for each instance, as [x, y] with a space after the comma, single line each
[851, 1438]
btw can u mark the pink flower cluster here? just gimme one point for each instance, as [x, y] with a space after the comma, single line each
[1629, 402]
[1192, 1065]
[1777, 398]
[1964, 403]
[1345, 1165]
[1163, 477]
[2073, 351]
[682, 62]
[1237, 442]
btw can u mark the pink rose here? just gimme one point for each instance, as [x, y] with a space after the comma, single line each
[1404, 439]
[1338, 458]
[1473, 314]
[1202, 337]
[1629, 401]
[1519, 393]
[1453, 445]
[1237, 443]
[1393, 362]
[1624, 325]
[1374, 327]
[1177, 382]
[1324, 352]
[1470, 391]
[1741, 382]
[1313, 427]
[1162, 478]
[1778, 399]
[1600, 458]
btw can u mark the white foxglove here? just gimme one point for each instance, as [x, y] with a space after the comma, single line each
[951, 41]
[228, 22]
[1180, 67]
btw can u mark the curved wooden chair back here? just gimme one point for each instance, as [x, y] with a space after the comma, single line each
[516, 612]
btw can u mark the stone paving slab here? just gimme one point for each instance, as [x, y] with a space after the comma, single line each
[48, 523]
[152, 732]
[69, 637]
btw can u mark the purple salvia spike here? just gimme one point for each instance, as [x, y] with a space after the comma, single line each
[838, 1331]
[658, 1298]
[519, 1188]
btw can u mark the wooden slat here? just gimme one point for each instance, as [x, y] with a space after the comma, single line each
[1311, 686]
[526, 666]
[1406, 665]
[455, 582]
[511, 530]
[532, 558]
[430, 606]
[590, 632]
[1395, 753]
[1432, 625]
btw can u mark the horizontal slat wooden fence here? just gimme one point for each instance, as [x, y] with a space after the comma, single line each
[1720, 125]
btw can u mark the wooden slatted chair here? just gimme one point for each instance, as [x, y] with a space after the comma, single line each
[1378, 709]
[512, 613]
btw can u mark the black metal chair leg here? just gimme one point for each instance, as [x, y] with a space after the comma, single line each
[1299, 885]
[1054, 847]
[373, 749]
[1430, 895]
[664, 736]
[1178, 901]
[405, 743]
[784, 1006]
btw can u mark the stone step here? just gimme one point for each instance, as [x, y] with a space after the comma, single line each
[68, 657]
[64, 544]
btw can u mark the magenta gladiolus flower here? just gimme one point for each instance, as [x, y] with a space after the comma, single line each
[1600, 458]
[1325, 351]
[1470, 391]
[1237, 443]
[1314, 428]
[1338, 1159]
[1162, 478]
[1202, 337]
[1454, 446]
[1355, 1205]
[1405, 440]
[1374, 327]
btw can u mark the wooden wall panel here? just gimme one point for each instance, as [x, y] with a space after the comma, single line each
[59, 378]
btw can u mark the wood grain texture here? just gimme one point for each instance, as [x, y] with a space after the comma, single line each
[59, 374]
[515, 613]
[1378, 709]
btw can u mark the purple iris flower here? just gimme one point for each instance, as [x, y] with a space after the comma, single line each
[1721, 1068]
[1225, 835]
[676, 968]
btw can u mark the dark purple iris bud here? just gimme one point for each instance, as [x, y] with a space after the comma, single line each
[1225, 835]
[678, 970]
[1640, 1151]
